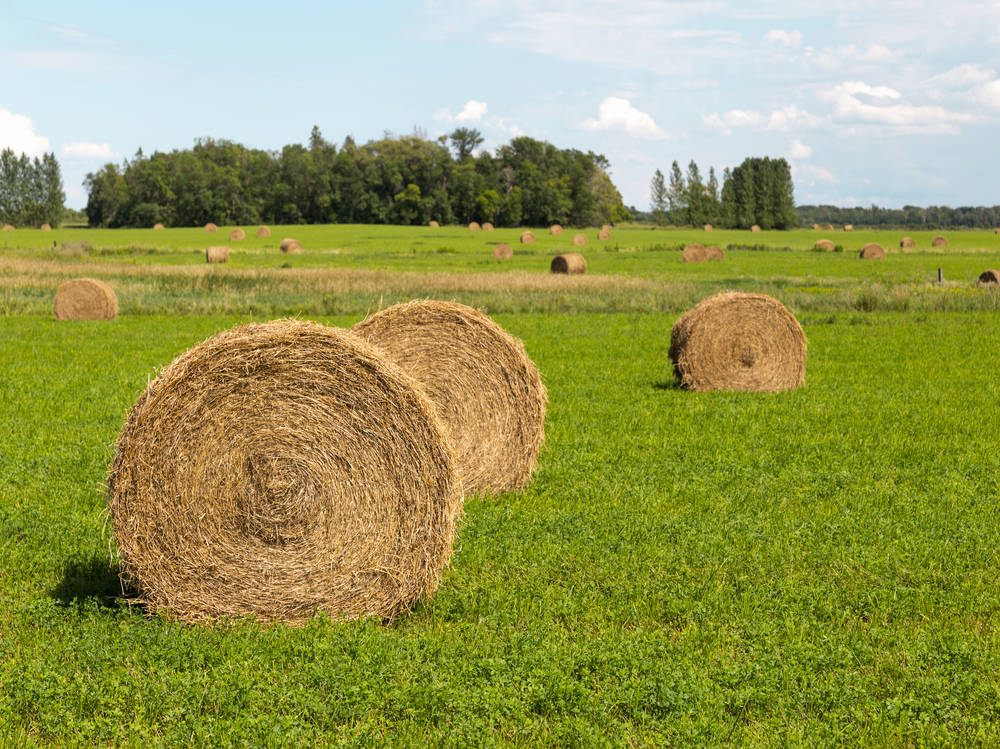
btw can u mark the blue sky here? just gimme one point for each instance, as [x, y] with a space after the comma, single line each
[887, 102]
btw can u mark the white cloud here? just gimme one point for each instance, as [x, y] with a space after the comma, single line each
[473, 111]
[989, 94]
[784, 119]
[876, 109]
[799, 150]
[791, 117]
[814, 174]
[81, 150]
[619, 114]
[787, 38]
[17, 132]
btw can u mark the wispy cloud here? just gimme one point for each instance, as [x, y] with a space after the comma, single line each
[860, 103]
[799, 150]
[83, 150]
[620, 115]
[786, 38]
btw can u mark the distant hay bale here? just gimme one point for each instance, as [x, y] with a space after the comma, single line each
[216, 254]
[907, 242]
[281, 469]
[708, 227]
[488, 393]
[555, 229]
[827, 227]
[995, 231]
[694, 253]
[604, 235]
[939, 241]
[263, 231]
[873, 251]
[157, 227]
[474, 226]
[824, 244]
[45, 227]
[737, 341]
[991, 277]
[8, 227]
[606, 227]
[579, 240]
[237, 235]
[571, 263]
[714, 252]
[433, 224]
[291, 246]
[85, 299]
[848, 227]
[527, 237]
[755, 229]
[210, 227]
[503, 252]
[816, 227]
[487, 226]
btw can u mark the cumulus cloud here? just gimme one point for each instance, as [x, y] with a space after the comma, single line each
[784, 119]
[799, 150]
[82, 150]
[882, 105]
[473, 111]
[619, 114]
[787, 38]
[17, 132]
[989, 94]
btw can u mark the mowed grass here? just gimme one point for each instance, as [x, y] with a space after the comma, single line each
[813, 567]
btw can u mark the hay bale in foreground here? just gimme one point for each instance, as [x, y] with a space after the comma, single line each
[991, 277]
[433, 224]
[503, 252]
[579, 240]
[571, 263]
[474, 226]
[280, 469]
[527, 237]
[755, 229]
[45, 227]
[487, 391]
[487, 226]
[237, 235]
[824, 244]
[8, 227]
[714, 252]
[848, 227]
[216, 254]
[939, 241]
[555, 229]
[85, 299]
[736, 341]
[694, 253]
[873, 251]
[291, 246]
[604, 235]
[157, 227]
[907, 242]
[210, 227]
[263, 231]
[708, 227]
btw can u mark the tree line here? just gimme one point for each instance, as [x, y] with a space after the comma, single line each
[31, 190]
[393, 180]
[909, 216]
[759, 191]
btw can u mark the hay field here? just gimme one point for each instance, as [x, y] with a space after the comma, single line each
[812, 567]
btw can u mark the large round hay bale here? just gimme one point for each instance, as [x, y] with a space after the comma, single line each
[210, 227]
[291, 246]
[579, 240]
[157, 227]
[527, 237]
[755, 229]
[604, 235]
[474, 226]
[487, 226]
[8, 227]
[873, 251]
[237, 235]
[714, 252]
[263, 231]
[991, 277]
[939, 241]
[708, 227]
[824, 244]
[85, 299]
[848, 227]
[45, 227]
[737, 341]
[571, 263]
[216, 254]
[503, 252]
[280, 469]
[555, 229]
[907, 242]
[487, 391]
[694, 253]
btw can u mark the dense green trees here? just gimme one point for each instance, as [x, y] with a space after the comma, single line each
[402, 180]
[31, 190]
[932, 217]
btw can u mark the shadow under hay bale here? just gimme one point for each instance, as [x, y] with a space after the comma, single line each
[527, 237]
[824, 244]
[873, 251]
[570, 263]
[487, 391]
[737, 341]
[990, 277]
[503, 252]
[280, 469]
[579, 240]
[93, 581]
[555, 229]
[263, 232]
[217, 255]
[237, 235]
[714, 252]
[291, 246]
[694, 253]
[939, 241]
[906, 242]
[210, 227]
[85, 299]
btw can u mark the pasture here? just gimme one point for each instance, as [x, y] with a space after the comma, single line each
[816, 566]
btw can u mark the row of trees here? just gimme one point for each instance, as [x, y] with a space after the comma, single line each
[909, 216]
[395, 180]
[759, 191]
[31, 190]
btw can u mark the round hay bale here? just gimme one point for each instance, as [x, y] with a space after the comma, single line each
[217, 255]
[708, 227]
[487, 226]
[503, 252]
[939, 241]
[848, 227]
[755, 229]
[237, 235]
[474, 226]
[291, 246]
[157, 227]
[995, 231]
[571, 263]
[824, 244]
[694, 253]
[579, 240]
[85, 299]
[991, 277]
[873, 251]
[487, 391]
[907, 242]
[263, 231]
[827, 227]
[604, 235]
[816, 227]
[8, 227]
[555, 229]
[714, 252]
[280, 469]
[210, 227]
[737, 341]
[605, 227]
[527, 237]
[45, 227]
[433, 224]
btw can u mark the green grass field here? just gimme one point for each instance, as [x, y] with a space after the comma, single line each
[816, 567]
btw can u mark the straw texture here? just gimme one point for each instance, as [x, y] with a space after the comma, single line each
[291, 246]
[237, 235]
[527, 237]
[263, 231]
[569, 262]
[694, 253]
[555, 229]
[824, 244]
[210, 227]
[503, 252]
[85, 299]
[217, 255]
[873, 251]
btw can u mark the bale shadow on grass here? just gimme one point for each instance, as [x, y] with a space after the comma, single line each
[671, 384]
[88, 583]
